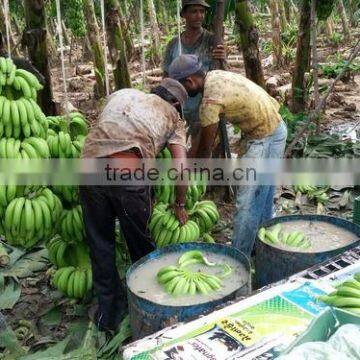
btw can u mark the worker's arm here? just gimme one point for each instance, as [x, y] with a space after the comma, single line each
[219, 53]
[179, 152]
[207, 138]
[209, 114]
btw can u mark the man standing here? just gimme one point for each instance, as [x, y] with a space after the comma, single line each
[263, 134]
[198, 41]
[132, 126]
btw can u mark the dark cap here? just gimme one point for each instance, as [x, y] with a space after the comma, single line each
[184, 66]
[194, 2]
[175, 89]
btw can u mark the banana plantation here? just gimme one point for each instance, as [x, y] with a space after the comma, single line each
[66, 66]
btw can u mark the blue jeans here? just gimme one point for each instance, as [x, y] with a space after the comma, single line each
[255, 203]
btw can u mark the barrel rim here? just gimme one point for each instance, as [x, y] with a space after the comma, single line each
[306, 217]
[191, 245]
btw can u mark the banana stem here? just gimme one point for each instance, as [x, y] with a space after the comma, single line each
[4, 256]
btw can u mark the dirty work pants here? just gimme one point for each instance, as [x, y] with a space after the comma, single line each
[254, 203]
[101, 205]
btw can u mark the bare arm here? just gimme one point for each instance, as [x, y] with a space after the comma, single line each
[207, 138]
[219, 52]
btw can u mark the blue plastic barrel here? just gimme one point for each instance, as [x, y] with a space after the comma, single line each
[147, 317]
[274, 264]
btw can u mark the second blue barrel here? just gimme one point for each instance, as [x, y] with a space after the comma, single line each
[274, 264]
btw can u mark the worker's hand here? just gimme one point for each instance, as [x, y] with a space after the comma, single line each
[181, 214]
[219, 53]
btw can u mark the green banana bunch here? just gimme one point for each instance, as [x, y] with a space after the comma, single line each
[73, 282]
[164, 154]
[295, 239]
[275, 236]
[63, 253]
[319, 195]
[9, 193]
[7, 71]
[207, 238]
[165, 229]
[75, 124]
[193, 257]
[205, 214]
[30, 220]
[194, 194]
[67, 193]
[60, 252]
[61, 145]
[71, 224]
[347, 295]
[313, 192]
[177, 280]
[78, 125]
[23, 82]
[30, 148]
[304, 189]
[165, 193]
[54, 204]
[196, 257]
[22, 118]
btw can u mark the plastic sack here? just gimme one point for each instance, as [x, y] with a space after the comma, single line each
[344, 345]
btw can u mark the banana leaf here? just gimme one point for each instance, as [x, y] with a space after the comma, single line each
[324, 8]
[27, 265]
[210, 14]
[9, 295]
[53, 352]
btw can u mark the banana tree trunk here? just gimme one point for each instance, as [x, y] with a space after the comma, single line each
[344, 20]
[116, 45]
[314, 62]
[353, 6]
[302, 59]
[65, 33]
[276, 39]
[164, 16]
[249, 42]
[155, 33]
[35, 37]
[127, 36]
[283, 20]
[15, 51]
[97, 48]
[329, 27]
[287, 11]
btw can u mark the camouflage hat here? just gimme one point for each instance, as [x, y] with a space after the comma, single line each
[194, 2]
[184, 66]
[175, 89]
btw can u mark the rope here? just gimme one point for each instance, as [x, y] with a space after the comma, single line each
[107, 82]
[178, 3]
[63, 70]
[142, 31]
[7, 25]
